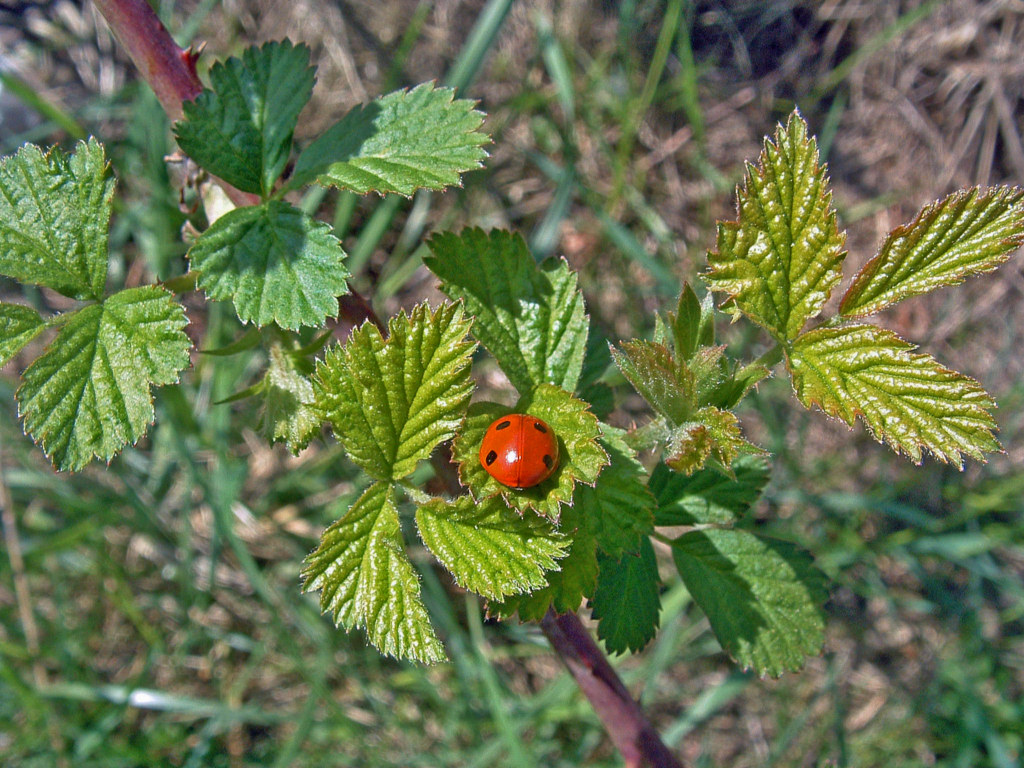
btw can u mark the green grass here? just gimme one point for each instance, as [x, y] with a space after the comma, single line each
[167, 626]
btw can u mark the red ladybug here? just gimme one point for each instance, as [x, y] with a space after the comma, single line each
[519, 451]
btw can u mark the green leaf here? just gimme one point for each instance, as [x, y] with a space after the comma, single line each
[619, 509]
[366, 580]
[627, 603]
[290, 413]
[711, 434]
[908, 401]
[707, 496]
[965, 234]
[488, 548]
[54, 215]
[401, 142]
[89, 393]
[580, 457]
[241, 129]
[275, 263]
[651, 368]
[530, 317]
[567, 587]
[692, 324]
[762, 596]
[391, 402]
[780, 259]
[18, 326]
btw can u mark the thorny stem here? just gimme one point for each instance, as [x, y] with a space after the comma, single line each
[170, 71]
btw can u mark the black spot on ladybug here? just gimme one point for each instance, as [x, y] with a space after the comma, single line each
[506, 423]
[540, 427]
[548, 460]
[489, 459]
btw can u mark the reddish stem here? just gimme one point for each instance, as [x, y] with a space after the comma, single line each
[171, 73]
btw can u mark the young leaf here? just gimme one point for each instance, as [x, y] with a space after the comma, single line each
[763, 597]
[274, 262]
[908, 401]
[567, 587]
[290, 413]
[89, 394]
[670, 389]
[391, 402]
[54, 214]
[580, 457]
[529, 317]
[489, 548]
[18, 326]
[692, 324]
[241, 129]
[711, 433]
[619, 509]
[366, 580]
[965, 234]
[401, 142]
[779, 260]
[626, 602]
[707, 496]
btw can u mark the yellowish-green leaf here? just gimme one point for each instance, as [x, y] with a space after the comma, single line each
[290, 413]
[490, 549]
[908, 400]
[391, 402]
[970, 232]
[366, 580]
[779, 261]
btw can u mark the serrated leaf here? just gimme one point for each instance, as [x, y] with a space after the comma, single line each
[626, 602]
[241, 129]
[580, 457]
[619, 509]
[567, 587]
[654, 373]
[18, 326]
[488, 548]
[275, 263]
[366, 580]
[780, 259]
[391, 402]
[908, 401]
[54, 215]
[710, 434]
[707, 496]
[530, 317]
[289, 404]
[88, 394]
[762, 596]
[967, 233]
[406, 140]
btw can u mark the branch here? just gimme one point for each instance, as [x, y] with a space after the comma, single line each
[629, 728]
[171, 72]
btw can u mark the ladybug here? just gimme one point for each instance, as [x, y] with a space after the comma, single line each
[519, 451]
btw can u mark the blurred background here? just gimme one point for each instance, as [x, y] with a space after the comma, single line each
[150, 611]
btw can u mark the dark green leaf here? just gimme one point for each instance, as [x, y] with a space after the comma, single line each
[241, 129]
[762, 596]
[530, 317]
[626, 603]
[707, 496]
[275, 263]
